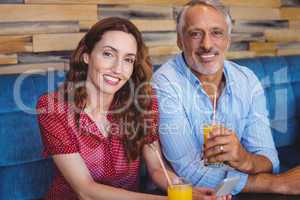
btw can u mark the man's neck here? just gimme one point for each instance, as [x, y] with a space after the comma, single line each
[212, 84]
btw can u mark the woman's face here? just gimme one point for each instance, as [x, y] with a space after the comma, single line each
[111, 62]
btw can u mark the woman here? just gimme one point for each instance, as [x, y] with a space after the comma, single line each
[103, 118]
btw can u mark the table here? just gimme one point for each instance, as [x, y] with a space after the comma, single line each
[255, 196]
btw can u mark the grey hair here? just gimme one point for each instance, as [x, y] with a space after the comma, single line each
[216, 4]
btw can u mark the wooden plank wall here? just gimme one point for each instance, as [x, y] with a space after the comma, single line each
[33, 32]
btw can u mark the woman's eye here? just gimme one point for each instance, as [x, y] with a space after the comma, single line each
[130, 60]
[107, 54]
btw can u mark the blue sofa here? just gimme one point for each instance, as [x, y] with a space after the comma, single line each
[25, 174]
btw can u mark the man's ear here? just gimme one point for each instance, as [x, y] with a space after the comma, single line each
[86, 58]
[179, 44]
[229, 43]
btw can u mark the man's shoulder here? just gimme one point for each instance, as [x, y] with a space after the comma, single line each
[168, 70]
[238, 71]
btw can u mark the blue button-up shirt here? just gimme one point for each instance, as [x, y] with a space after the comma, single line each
[185, 107]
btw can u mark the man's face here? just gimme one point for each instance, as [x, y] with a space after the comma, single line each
[204, 39]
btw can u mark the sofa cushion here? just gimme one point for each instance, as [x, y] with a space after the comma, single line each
[24, 173]
[289, 157]
[20, 140]
[26, 181]
[281, 88]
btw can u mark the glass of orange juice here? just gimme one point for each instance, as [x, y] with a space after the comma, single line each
[180, 191]
[207, 129]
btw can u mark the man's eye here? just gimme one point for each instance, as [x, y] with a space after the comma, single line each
[196, 35]
[218, 34]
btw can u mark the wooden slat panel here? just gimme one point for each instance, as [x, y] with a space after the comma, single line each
[62, 1]
[26, 58]
[290, 13]
[160, 39]
[289, 45]
[21, 28]
[253, 13]
[240, 54]
[258, 26]
[145, 25]
[14, 13]
[33, 68]
[155, 25]
[6, 59]
[84, 25]
[14, 44]
[260, 3]
[240, 37]
[272, 46]
[265, 53]
[163, 50]
[137, 11]
[290, 3]
[286, 52]
[239, 46]
[294, 24]
[145, 2]
[284, 35]
[10, 1]
[56, 42]
[263, 46]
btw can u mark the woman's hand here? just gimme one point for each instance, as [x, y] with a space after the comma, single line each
[200, 193]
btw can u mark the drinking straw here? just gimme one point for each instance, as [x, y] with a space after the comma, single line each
[162, 164]
[214, 108]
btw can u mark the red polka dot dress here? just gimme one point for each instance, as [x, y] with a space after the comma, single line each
[105, 157]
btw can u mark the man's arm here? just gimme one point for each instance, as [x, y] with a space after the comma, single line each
[285, 183]
[181, 147]
[257, 138]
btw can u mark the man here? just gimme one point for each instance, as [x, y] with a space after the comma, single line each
[199, 87]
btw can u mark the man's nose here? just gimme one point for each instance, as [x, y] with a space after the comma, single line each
[206, 42]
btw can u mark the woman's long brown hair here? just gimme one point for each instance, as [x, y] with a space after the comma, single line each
[136, 116]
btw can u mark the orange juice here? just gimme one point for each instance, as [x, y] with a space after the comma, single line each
[180, 192]
[206, 131]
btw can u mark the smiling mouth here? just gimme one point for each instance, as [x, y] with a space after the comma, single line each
[207, 57]
[112, 80]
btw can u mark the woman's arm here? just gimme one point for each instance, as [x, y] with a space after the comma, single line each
[158, 177]
[154, 167]
[77, 175]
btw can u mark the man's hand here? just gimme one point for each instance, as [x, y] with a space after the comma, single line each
[223, 145]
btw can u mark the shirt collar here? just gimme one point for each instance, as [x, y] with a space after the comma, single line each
[186, 71]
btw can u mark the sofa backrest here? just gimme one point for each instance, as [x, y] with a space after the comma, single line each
[24, 173]
[280, 77]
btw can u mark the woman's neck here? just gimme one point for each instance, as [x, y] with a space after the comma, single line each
[98, 103]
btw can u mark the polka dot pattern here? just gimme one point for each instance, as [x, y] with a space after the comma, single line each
[105, 157]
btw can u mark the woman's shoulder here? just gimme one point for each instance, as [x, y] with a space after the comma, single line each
[52, 102]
